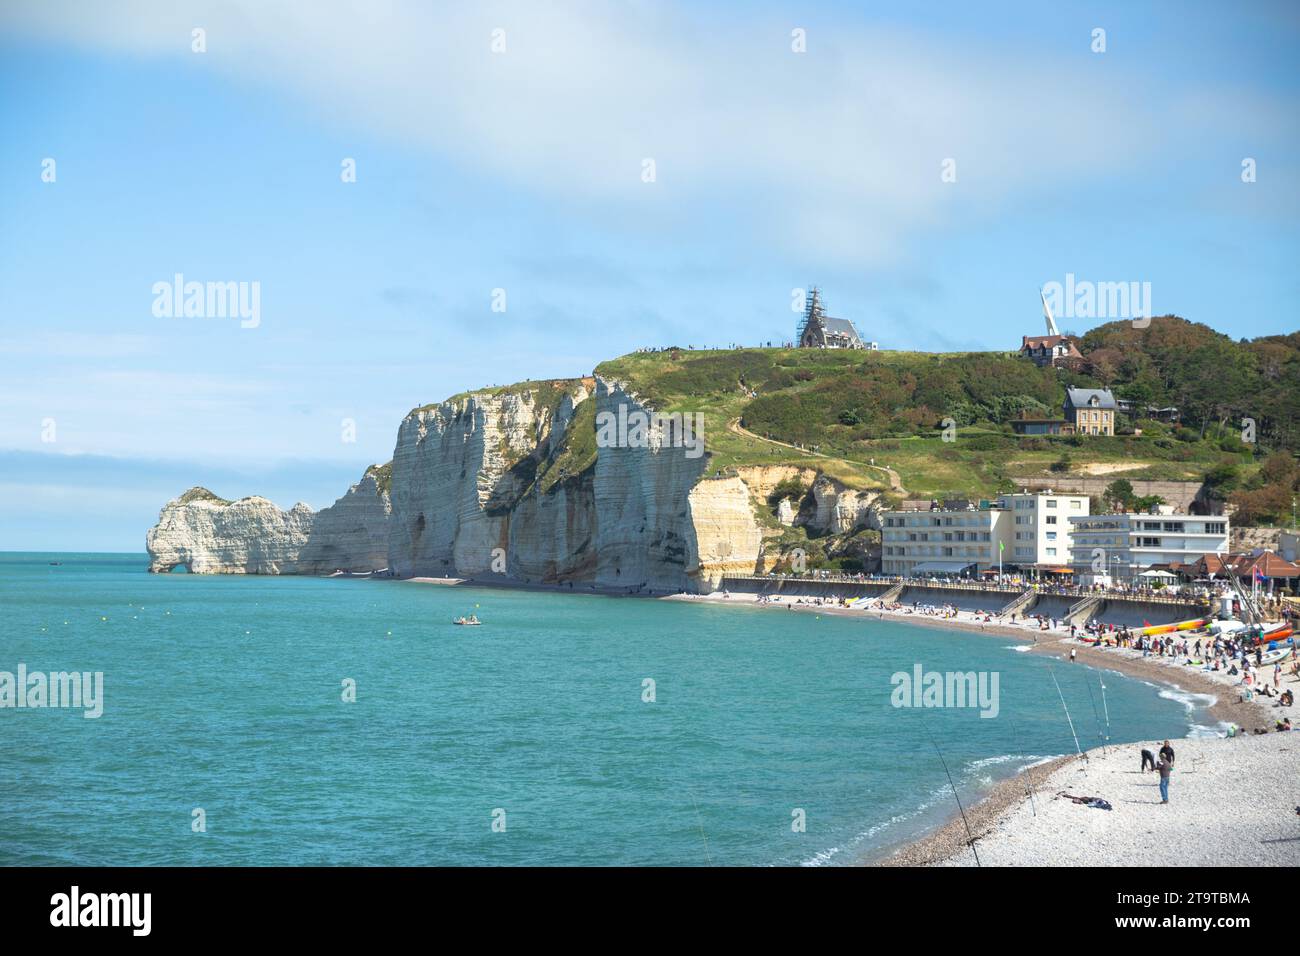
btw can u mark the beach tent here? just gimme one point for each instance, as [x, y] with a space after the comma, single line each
[1155, 574]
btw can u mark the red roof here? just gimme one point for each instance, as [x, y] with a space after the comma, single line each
[1048, 342]
[1243, 565]
[1269, 564]
[1211, 563]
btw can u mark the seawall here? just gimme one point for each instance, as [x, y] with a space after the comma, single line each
[1133, 612]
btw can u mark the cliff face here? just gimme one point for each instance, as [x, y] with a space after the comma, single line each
[462, 469]
[520, 483]
[209, 535]
[645, 536]
[352, 533]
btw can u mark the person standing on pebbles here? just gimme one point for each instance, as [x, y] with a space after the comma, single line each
[1165, 768]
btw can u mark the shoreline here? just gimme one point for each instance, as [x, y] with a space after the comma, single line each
[948, 843]
[1000, 813]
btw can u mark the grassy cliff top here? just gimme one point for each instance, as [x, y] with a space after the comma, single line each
[876, 419]
[545, 392]
[199, 493]
[853, 414]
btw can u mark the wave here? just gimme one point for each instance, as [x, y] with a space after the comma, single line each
[968, 774]
[825, 856]
[1188, 699]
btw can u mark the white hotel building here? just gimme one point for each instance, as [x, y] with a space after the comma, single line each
[1120, 547]
[1033, 530]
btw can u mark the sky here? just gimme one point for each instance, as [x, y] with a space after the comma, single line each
[616, 175]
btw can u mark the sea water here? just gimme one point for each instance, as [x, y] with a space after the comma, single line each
[296, 720]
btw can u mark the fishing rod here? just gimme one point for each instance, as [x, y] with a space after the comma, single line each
[1101, 680]
[970, 836]
[1029, 790]
[1096, 716]
[1069, 720]
[700, 822]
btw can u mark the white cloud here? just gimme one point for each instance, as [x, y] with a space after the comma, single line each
[835, 152]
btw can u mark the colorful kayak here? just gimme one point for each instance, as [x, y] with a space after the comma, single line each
[1155, 629]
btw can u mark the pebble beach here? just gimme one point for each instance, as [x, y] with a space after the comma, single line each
[1232, 799]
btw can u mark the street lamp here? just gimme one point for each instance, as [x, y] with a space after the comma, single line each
[1117, 558]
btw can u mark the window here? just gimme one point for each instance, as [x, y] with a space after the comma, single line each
[1076, 504]
[1051, 519]
[1051, 536]
[1051, 552]
[1051, 503]
[1215, 527]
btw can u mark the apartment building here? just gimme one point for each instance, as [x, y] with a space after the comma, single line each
[1027, 531]
[1120, 547]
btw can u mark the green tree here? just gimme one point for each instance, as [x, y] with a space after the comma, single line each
[1120, 492]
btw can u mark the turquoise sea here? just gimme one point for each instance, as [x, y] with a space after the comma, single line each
[225, 694]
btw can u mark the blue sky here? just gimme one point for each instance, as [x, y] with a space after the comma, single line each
[522, 170]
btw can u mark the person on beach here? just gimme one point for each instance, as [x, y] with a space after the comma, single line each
[1165, 768]
[1167, 753]
[1073, 653]
[1148, 760]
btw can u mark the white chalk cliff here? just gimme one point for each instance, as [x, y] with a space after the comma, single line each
[352, 533]
[513, 483]
[209, 535]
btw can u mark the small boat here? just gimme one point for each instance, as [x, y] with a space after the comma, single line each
[1276, 656]
[1267, 635]
[471, 621]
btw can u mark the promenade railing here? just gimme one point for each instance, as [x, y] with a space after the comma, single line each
[1155, 596]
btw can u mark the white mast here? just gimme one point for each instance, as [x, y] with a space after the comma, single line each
[1047, 313]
